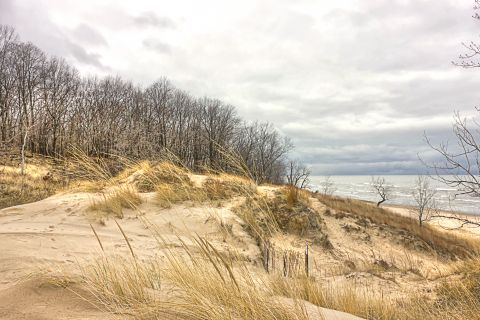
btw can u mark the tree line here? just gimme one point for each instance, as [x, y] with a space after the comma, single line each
[47, 107]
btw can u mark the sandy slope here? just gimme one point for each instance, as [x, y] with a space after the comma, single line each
[55, 234]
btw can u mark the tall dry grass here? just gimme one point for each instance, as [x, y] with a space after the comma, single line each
[114, 202]
[194, 282]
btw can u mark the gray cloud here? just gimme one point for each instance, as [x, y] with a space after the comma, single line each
[151, 19]
[89, 36]
[157, 45]
[33, 24]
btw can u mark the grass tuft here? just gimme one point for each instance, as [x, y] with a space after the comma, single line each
[113, 203]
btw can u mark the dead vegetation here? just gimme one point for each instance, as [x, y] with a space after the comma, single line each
[42, 178]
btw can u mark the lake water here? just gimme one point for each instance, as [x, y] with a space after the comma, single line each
[359, 187]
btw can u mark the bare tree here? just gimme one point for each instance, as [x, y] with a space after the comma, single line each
[328, 186]
[459, 166]
[424, 197]
[298, 175]
[470, 58]
[380, 186]
[460, 162]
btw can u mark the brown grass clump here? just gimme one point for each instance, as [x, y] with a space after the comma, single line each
[122, 283]
[463, 291]
[112, 204]
[295, 196]
[40, 180]
[445, 243]
[167, 195]
[146, 175]
[226, 186]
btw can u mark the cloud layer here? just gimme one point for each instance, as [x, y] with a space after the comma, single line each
[353, 83]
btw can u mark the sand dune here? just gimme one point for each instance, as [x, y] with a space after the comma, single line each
[54, 235]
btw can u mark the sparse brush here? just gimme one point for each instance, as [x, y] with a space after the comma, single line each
[447, 244]
[40, 180]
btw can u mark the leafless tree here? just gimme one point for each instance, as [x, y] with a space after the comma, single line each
[297, 175]
[380, 186]
[470, 58]
[327, 186]
[424, 196]
[459, 167]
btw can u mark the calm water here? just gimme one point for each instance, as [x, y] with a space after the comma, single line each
[358, 187]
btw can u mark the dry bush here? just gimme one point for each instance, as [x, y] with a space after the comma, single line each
[463, 290]
[264, 216]
[295, 196]
[291, 208]
[113, 203]
[260, 221]
[445, 243]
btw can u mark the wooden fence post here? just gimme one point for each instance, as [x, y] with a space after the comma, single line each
[306, 259]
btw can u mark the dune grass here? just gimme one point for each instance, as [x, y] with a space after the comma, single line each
[199, 282]
[447, 244]
[113, 203]
[194, 282]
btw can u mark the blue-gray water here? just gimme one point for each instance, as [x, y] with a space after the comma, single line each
[359, 187]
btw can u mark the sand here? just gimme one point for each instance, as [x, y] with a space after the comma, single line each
[54, 236]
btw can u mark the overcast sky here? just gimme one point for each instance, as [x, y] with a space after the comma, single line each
[353, 83]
